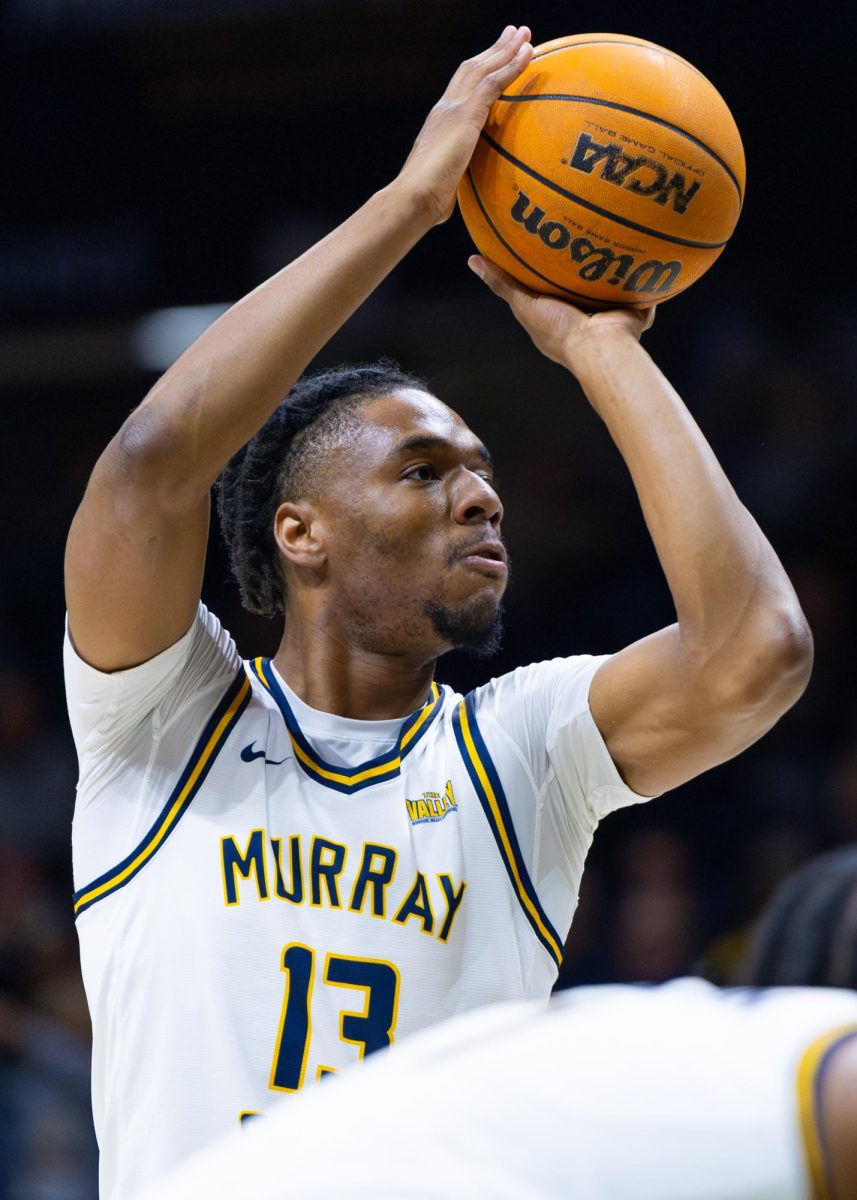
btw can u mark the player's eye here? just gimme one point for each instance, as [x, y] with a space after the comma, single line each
[423, 473]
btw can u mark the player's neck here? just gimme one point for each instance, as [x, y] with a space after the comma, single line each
[330, 674]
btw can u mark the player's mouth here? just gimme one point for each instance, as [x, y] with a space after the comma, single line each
[487, 557]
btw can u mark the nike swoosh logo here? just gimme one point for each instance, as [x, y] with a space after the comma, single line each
[248, 754]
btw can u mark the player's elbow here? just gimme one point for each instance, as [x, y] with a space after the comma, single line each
[770, 668]
[152, 458]
[147, 443]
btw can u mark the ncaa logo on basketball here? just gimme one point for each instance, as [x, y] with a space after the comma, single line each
[637, 173]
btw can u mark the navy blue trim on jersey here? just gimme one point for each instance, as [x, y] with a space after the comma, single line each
[349, 779]
[223, 720]
[485, 779]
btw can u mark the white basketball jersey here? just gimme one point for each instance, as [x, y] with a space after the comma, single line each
[679, 1092]
[266, 893]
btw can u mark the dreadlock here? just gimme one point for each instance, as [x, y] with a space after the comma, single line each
[808, 934]
[280, 463]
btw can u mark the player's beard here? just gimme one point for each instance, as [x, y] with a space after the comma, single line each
[473, 625]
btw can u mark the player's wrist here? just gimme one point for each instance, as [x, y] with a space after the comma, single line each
[594, 348]
[417, 204]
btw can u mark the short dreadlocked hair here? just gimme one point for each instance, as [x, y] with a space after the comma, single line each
[807, 936]
[280, 463]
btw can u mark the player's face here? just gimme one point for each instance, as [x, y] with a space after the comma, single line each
[413, 530]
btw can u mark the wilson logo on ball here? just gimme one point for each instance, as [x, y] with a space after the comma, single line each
[637, 173]
[652, 275]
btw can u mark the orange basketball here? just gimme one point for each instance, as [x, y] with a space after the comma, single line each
[611, 173]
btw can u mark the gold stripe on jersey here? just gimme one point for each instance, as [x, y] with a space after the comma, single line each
[489, 789]
[344, 779]
[810, 1077]
[218, 728]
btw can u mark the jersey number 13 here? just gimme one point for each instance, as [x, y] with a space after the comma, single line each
[369, 1028]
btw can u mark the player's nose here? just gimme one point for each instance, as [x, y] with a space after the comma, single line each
[475, 500]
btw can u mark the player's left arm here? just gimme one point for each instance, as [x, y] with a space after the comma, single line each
[698, 692]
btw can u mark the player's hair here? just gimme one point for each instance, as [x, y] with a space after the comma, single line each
[807, 935]
[284, 460]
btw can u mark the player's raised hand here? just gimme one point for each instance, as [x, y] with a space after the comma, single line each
[557, 327]
[448, 138]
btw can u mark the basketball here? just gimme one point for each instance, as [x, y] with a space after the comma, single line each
[610, 173]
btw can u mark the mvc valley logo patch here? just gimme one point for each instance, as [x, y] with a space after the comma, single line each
[432, 806]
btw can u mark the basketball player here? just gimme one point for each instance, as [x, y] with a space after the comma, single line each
[283, 866]
[677, 1092]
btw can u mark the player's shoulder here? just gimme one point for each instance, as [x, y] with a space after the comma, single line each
[106, 708]
[537, 692]
[205, 642]
[520, 715]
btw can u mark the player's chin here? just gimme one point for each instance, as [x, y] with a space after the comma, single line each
[474, 624]
[481, 583]
[477, 602]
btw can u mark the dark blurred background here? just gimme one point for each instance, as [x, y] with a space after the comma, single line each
[162, 157]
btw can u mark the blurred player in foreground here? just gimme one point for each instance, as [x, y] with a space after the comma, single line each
[677, 1092]
[285, 865]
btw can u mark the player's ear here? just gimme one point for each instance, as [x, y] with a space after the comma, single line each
[299, 534]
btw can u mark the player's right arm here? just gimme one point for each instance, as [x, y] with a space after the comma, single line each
[136, 547]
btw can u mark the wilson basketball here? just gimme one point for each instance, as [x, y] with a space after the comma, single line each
[611, 173]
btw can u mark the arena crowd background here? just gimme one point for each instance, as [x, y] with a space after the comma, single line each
[165, 155]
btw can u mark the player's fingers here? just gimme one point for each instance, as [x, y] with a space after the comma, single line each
[503, 40]
[500, 55]
[499, 281]
[471, 64]
[472, 72]
[502, 76]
